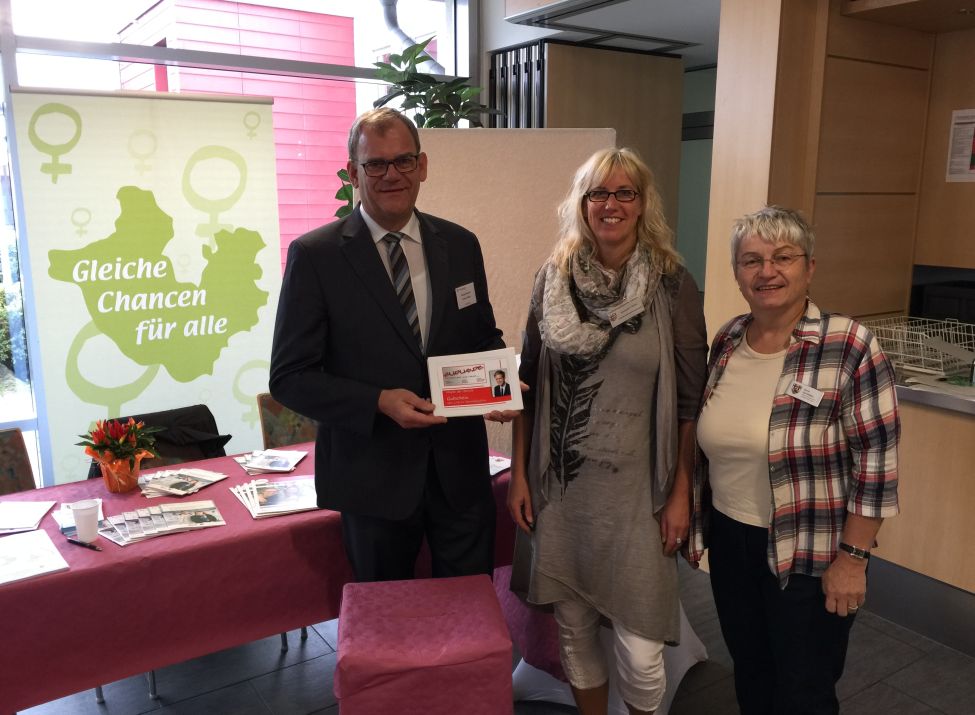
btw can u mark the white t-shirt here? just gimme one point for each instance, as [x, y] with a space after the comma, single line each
[733, 433]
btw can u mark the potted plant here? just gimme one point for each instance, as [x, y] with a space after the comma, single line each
[119, 448]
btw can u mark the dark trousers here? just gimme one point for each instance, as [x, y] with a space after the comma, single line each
[461, 541]
[788, 650]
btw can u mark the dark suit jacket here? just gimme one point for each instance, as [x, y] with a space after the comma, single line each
[341, 337]
[501, 390]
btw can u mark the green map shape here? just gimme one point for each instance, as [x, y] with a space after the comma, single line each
[229, 280]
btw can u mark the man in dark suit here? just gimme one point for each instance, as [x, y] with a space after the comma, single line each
[501, 387]
[350, 352]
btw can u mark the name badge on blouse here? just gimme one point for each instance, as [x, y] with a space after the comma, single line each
[625, 310]
[809, 395]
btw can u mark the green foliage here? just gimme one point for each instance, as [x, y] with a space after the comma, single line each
[6, 345]
[344, 194]
[435, 102]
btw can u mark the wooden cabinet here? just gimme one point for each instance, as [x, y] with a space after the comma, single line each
[848, 113]
[946, 220]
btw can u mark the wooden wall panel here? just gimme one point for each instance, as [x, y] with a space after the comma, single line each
[872, 127]
[863, 253]
[934, 532]
[947, 211]
[636, 94]
[744, 106]
[798, 99]
[875, 42]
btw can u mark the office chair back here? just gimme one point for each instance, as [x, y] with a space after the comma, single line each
[190, 434]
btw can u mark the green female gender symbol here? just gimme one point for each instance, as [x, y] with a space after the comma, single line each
[251, 415]
[54, 167]
[213, 207]
[112, 397]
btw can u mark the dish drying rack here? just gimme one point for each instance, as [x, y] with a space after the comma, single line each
[902, 339]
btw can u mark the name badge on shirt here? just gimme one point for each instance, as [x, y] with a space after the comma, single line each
[809, 395]
[626, 310]
[465, 296]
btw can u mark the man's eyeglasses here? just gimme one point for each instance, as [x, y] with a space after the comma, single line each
[779, 260]
[378, 167]
[600, 196]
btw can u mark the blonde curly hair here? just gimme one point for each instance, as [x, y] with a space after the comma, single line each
[652, 230]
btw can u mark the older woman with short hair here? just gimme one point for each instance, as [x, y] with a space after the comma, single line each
[797, 469]
[615, 355]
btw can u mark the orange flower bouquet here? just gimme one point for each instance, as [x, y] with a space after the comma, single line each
[119, 448]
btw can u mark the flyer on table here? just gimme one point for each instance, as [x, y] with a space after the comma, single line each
[474, 383]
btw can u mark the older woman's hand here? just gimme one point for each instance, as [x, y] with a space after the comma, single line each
[520, 501]
[845, 585]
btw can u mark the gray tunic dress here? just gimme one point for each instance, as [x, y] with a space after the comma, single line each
[596, 539]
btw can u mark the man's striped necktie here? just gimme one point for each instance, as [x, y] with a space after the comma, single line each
[402, 283]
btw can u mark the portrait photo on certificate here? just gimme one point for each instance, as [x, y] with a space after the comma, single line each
[474, 383]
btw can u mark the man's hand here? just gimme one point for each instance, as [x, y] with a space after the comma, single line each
[408, 410]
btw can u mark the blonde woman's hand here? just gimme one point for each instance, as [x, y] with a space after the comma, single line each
[520, 502]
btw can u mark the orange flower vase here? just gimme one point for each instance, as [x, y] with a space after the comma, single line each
[119, 475]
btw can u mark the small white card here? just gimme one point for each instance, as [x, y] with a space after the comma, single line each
[626, 310]
[809, 395]
[474, 383]
[465, 296]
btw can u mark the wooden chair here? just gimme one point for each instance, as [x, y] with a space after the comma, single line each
[16, 474]
[281, 426]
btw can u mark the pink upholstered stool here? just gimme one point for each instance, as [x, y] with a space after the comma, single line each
[430, 646]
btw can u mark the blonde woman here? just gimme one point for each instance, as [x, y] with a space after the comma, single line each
[614, 356]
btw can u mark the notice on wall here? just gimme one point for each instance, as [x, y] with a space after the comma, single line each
[152, 229]
[961, 146]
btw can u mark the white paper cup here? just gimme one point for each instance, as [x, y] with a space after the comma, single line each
[85, 514]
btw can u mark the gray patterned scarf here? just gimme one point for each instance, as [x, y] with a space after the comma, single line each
[600, 290]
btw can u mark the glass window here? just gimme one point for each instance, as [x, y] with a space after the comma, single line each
[311, 114]
[327, 31]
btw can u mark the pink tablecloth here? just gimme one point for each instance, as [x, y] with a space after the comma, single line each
[124, 611]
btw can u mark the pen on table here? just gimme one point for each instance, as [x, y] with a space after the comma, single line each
[76, 542]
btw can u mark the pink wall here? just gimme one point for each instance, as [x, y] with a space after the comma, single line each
[311, 116]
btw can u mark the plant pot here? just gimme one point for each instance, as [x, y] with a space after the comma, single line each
[119, 475]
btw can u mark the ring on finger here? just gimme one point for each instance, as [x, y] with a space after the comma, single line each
[678, 541]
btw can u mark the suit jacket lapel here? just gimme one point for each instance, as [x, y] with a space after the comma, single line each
[360, 250]
[435, 252]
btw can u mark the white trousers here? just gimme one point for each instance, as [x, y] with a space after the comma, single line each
[639, 661]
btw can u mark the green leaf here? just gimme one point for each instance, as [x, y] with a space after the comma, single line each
[343, 174]
[343, 211]
[344, 193]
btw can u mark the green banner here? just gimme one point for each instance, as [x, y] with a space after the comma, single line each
[154, 248]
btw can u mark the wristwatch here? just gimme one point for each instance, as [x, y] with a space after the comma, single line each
[855, 551]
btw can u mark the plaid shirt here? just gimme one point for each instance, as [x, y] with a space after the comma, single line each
[826, 461]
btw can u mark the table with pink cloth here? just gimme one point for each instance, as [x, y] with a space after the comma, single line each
[128, 610]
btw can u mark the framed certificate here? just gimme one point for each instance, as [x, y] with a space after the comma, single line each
[474, 383]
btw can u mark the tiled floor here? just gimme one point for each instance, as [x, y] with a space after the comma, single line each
[890, 671]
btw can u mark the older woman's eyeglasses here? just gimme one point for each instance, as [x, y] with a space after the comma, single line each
[404, 164]
[751, 262]
[600, 196]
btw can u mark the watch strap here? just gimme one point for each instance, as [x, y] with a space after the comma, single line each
[855, 551]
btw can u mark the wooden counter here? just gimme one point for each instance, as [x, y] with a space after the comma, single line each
[934, 533]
